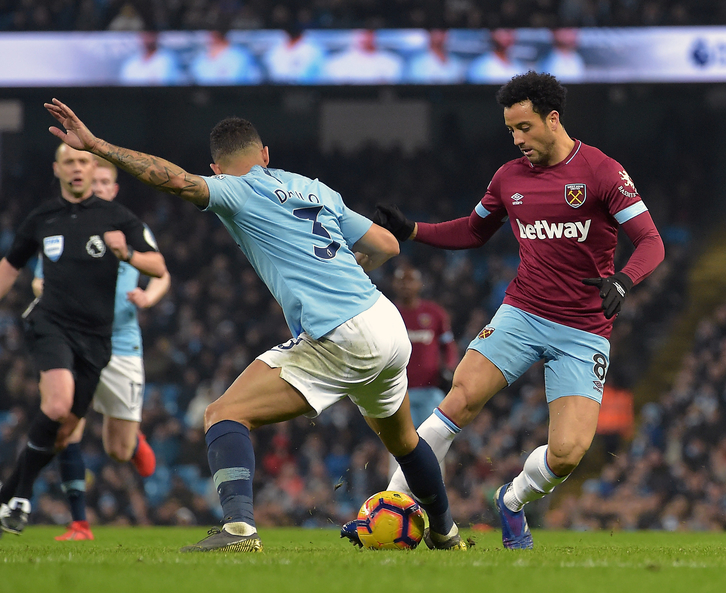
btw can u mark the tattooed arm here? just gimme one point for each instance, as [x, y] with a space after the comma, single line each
[151, 170]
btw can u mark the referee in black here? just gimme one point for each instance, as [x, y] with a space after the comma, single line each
[81, 238]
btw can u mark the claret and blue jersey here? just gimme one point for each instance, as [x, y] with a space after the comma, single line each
[298, 235]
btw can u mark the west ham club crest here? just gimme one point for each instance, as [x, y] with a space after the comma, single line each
[575, 194]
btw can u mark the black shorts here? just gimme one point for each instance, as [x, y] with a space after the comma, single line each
[54, 346]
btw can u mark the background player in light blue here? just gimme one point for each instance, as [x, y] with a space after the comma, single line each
[348, 339]
[119, 395]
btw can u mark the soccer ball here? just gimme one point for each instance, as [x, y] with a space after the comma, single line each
[390, 521]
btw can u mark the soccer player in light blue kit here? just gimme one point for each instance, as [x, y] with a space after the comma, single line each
[348, 339]
[119, 395]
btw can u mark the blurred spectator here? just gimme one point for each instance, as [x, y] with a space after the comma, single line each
[616, 421]
[295, 59]
[127, 19]
[496, 65]
[563, 61]
[363, 63]
[151, 65]
[221, 63]
[436, 65]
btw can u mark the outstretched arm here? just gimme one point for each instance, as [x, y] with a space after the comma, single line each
[151, 170]
[375, 248]
[462, 233]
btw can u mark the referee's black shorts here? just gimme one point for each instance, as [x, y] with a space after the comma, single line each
[54, 346]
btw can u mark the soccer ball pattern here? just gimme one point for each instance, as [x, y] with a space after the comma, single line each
[390, 521]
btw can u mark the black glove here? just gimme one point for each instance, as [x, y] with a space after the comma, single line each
[390, 217]
[613, 291]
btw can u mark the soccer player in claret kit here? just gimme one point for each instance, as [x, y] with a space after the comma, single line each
[433, 350]
[348, 339]
[565, 201]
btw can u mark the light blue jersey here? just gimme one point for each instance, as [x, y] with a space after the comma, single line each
[297, 233]
[126, 333]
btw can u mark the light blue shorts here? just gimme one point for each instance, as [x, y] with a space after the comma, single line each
[576, 361]
[423, 401]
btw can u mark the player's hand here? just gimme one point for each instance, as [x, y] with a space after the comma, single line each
[116, 242]
[390, 217]
[613, 291]
[138, 297]
[76, 134]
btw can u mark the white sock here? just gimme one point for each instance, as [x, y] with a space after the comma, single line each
[439, 432]
[239, 528]
[534, 482]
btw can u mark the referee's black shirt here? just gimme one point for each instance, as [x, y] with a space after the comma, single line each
[79, 270]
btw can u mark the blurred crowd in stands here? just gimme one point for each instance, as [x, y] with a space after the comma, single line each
[91, 15]
[218, 316]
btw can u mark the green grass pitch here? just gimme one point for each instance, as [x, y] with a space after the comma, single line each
[137, 560]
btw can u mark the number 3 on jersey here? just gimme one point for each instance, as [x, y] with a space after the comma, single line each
[311, 213]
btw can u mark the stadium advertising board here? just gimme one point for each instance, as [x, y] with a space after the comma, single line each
[340, 57]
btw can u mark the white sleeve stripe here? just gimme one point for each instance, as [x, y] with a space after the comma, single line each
[481, 211]
[630, 212]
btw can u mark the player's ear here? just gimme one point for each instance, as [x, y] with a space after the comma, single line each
[55, 169]
[553, 119]
[215, 168]
[266, 155]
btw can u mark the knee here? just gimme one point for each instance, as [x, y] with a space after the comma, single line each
[216, 412]
[57, 410]
[120, 451]
[463, 402]
[66, 430]
[564, 456]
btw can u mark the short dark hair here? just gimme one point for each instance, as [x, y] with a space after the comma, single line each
[232, 135]
[544, 90]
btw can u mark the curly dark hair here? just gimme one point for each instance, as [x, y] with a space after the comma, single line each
[544, 90]
[232, 135]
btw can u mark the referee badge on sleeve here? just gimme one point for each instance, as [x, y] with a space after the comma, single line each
[53, 247]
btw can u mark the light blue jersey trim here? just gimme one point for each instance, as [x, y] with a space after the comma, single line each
[481, 211]
[449, 424]
[630, 212]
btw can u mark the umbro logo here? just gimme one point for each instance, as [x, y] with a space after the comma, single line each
[517, 199]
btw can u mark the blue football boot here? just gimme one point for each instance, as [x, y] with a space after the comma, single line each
[515, 531]
[350, 530]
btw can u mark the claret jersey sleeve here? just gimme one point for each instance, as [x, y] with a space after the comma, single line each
[618, 191]
[474, 230]
[628, 209]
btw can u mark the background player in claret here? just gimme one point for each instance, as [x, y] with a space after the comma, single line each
[434, 354]
[119, 395]
[565, 202]
[433, 350]
[82, 240]
[311, 251]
